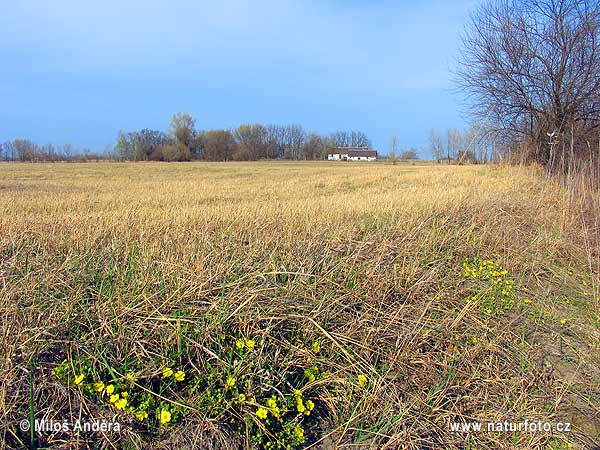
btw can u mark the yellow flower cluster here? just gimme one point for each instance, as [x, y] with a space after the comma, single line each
[362, 380]
[311, 373]
[261, 413]
[474, 268]
[230, 382]
[500, 292]
[248, 344]
[119, 400]
[272, 405]
[299, 433]
[301, 406]
[177, 376]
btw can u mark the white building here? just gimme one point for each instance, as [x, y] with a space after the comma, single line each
[352, 154]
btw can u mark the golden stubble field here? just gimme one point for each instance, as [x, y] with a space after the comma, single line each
[286, 305]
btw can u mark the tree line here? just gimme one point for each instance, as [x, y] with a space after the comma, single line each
[182, 142]
[26, 150]
[245, 143]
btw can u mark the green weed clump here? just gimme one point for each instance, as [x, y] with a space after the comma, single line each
[248, 397]
[493, 289]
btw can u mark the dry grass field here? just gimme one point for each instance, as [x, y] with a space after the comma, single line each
[292, 305]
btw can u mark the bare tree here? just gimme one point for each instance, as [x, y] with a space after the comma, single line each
[350, 139]
[532, 70]
[410, 154]
[436, 146]
[393, 151]
[252, 142]
[218, 145]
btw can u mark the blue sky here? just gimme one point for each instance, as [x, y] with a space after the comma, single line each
[77, 72]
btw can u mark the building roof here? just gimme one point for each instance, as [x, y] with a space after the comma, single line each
[353, 152]
[367, 153]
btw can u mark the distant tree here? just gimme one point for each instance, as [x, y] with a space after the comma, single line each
[252, 142]
[313, 147]
[66, 151]
[175, 152]
[436, 146]
[410, 154]
[124, 149]
[183, 130]
[9, 151]
[359, 139]
[218, 145]
[146, 142]
[293, 141]
[393, 151]
[275, 139]
[350, 139]
[340, 139]
[26, 150]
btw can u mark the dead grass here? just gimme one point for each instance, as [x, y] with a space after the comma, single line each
[159, 264]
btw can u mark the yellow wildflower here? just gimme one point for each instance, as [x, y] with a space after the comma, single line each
[79, 379]
[474, 340]
[298, 393]
[167, 372]
[527, 301]
[141, 415]
[99, 386]
[179, 375]
[121, 404]
[299, 433]
[250, 343]
[300, 406]
[114, 398]
[124, 394]
[110, 389]
[239, 344]
[316, 346]
[310, 374]
[261, 413]
[310, 405]
[230, 382]
[241, 398]
[272, 404]
[165, 416]
[563, 322]
[362, 380]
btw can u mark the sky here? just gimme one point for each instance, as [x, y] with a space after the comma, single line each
[77, 72]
